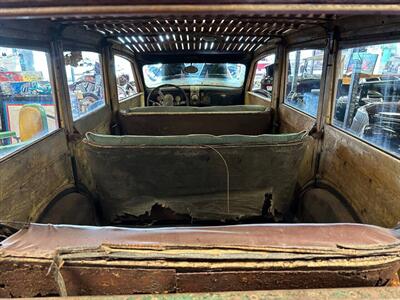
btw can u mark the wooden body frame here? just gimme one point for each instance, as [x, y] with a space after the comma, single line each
[370, 187]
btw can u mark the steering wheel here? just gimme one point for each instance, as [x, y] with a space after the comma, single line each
[157, 98]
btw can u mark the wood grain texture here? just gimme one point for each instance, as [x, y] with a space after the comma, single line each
[99, 125]
[368, 177]
[134, 101]
[295, 121]
[39, 3]
[255, 99]
[31, 178]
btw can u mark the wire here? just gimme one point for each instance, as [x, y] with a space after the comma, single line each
[227, 176]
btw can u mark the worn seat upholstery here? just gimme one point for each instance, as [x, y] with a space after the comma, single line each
[203, 176]
[182, 120]
[111, 260]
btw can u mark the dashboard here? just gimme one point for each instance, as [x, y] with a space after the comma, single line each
[204, 95]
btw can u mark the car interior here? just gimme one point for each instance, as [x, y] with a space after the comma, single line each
[164, 148]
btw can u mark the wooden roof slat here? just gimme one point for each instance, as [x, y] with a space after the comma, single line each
[198, 32]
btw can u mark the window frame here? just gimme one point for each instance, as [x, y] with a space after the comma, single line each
[135, 76]
[338, 72]
[104, 81]
[257, 59]
[286, 73]
[37, 45]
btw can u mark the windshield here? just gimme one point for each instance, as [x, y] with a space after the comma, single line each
[214, 74]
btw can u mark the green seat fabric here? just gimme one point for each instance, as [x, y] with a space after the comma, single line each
[191, 109]
[192, 139]
[204, 177]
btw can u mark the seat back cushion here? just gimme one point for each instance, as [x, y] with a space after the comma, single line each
[205, 177]
[183, 120]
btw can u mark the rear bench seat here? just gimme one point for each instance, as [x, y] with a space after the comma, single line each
[182, 120]
[190, 174]
[75, 260]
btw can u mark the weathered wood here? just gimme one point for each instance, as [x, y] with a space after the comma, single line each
[26, 279]
[38, 281]
[131, 102]
[32, 177]
[292, 120]
[40, 3]
[117, 281]
[49, 10]
[123, 280]
[257, 99]
[99, 122]
[270, 280]
[367, 177]
[61, 85]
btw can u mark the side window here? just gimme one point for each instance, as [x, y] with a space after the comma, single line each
[27, 106]
[264, 76]
[368, 95]
[303, 82]
[85, 82]
[125, 80]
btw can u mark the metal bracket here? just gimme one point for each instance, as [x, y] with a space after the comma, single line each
[315, 133]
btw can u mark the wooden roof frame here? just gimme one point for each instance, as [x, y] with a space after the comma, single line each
[235, 33]
[172, 25]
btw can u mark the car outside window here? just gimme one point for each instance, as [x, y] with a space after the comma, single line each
[85, 82]
[27, 106]
[125, 79]
[303, 81]
[368, 95]
[264, 76]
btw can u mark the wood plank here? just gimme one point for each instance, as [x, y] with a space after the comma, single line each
[133, 101]
[38, 281]
[76, 11]
[295, 121]
[271, 280]
[368, 177]
[117, 281]
[105, 280]
[31, 178]
[256, 99]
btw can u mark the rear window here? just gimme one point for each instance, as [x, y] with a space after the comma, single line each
[210, 74]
